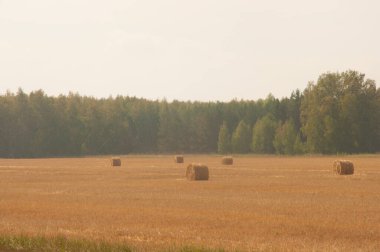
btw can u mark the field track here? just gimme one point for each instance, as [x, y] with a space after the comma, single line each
[263, 203]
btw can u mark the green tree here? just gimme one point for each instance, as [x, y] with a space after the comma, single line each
[340, 114]
[290, 109]
[7, 124]
[263, 135]
[377, 131]
[224, 139]
[143, 123]
[286, 140]
[171, 137]
[240, 138]
[24, 126]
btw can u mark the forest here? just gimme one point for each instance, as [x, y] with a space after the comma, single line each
[339, 113]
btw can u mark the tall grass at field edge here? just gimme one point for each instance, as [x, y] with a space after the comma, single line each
[25, 243]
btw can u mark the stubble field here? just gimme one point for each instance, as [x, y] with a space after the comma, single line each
[260, 203]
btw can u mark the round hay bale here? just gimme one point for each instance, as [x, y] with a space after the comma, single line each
[197, 172]
[227, 160]
[115, 161]
[179, 159]
[343, 167]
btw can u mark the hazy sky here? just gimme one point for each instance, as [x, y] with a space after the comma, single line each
[197, 50]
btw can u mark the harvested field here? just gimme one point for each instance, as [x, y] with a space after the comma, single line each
[262, 203]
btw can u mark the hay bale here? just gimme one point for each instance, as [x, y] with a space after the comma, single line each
[179, 159]
[227, 160]
[343, 167]
[197, 172]
[115, 161]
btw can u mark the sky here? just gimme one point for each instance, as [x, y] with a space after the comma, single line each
[204, 50]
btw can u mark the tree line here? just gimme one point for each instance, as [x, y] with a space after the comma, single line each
[340, 113]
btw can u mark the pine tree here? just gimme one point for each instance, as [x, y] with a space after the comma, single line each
[224, 139]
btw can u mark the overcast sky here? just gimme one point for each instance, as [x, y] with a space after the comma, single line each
[186, 50]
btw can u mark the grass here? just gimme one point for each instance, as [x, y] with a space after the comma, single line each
[25, 243]
[57, 243]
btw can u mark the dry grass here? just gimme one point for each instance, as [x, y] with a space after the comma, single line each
[261, 203]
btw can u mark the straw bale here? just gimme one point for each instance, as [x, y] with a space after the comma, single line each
[115, 161]
[197, 172]
[228, 160]
[343, 167]
[179, 159]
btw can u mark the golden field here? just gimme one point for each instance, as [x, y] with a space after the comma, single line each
[260, 203]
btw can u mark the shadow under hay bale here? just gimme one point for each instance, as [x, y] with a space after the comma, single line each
[227, 160]
[197, 172]
[179, 159]
[115, 161]
[343, 167]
